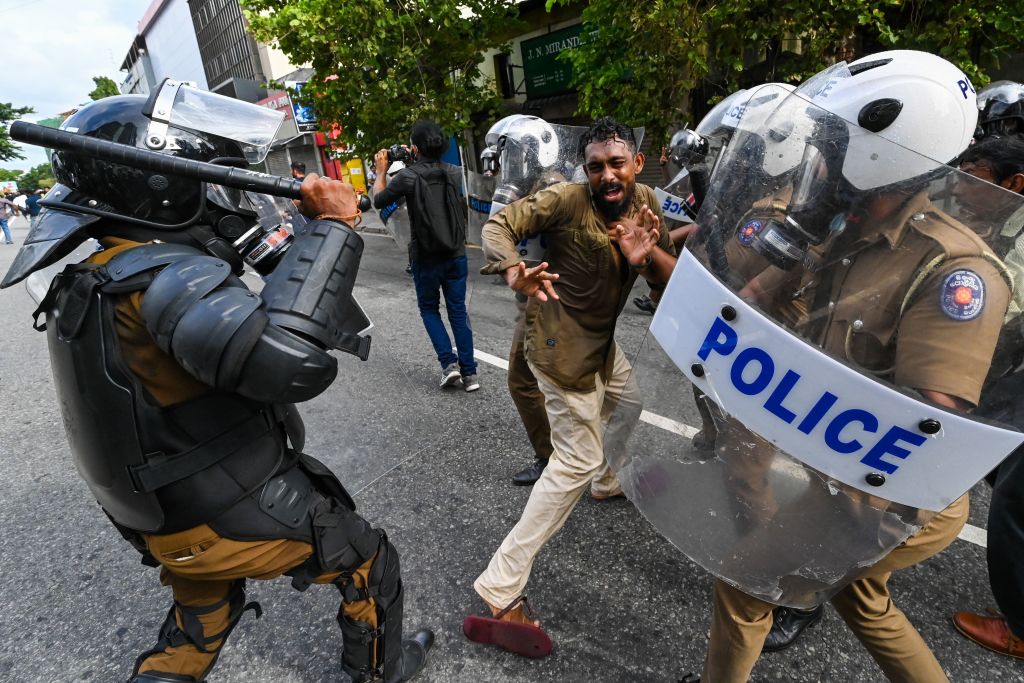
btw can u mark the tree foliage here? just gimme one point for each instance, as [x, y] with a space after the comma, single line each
[382, 64]
[647, 58]
[105, 87]
[6, 174]
[8, 113]
[40, 176]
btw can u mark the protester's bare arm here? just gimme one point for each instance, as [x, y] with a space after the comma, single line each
[536, 282]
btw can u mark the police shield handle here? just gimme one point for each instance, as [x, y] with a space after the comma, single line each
[853, 428]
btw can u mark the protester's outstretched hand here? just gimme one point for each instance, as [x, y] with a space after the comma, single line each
[324, 196]
[536, 282]
[637, 238]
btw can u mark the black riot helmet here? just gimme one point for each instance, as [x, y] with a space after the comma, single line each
[159, 200]
[180, 121]
[1001, 106]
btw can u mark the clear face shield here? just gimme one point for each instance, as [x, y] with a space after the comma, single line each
[178, 105]
[821, 453]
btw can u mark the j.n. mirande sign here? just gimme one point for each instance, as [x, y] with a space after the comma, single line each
[547, 75]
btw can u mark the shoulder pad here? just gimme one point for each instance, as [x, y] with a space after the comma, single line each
[178, 286]
[147, 257]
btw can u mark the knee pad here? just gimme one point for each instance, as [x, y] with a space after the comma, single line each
[373, 652]
[192, 632]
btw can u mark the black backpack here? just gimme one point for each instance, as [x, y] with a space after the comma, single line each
[435, 210]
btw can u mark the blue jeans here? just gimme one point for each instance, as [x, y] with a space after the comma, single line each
[3, 226]
[449, 277]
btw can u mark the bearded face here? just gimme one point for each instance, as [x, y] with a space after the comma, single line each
[611, 172]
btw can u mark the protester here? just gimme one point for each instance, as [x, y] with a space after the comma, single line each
[298, 170]
[8, 209]
[437, 248]
[600, 236]
[33, 206]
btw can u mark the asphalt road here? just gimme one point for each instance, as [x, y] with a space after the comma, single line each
[432, 467]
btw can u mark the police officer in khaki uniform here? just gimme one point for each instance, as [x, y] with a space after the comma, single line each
[898, 289]
[176, 382]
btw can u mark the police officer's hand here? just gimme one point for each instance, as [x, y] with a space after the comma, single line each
[380, 161]
[328, 198]
[536, 282]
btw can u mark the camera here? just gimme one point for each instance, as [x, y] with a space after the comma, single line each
[399, 153]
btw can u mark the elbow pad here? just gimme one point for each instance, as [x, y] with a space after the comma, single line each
[218, 330]
[310, 291]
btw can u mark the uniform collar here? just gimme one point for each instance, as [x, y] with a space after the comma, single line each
[894, 227]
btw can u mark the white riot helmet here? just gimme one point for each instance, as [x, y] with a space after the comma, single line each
[917, 100]
[887, 122]
[526, 146]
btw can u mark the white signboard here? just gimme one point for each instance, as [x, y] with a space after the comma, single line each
[851, 427]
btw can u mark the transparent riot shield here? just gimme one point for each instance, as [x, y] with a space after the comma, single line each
[479, 190]
[844, 308]
[399, 225]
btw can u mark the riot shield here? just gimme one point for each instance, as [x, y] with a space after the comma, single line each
[479, 190]
[841, 292]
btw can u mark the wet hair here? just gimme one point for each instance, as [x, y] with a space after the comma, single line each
[607, 128]
[1004, 156]
[299, 166]
[429, 139]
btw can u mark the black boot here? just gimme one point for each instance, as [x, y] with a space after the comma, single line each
[414, 653]
[787, 625]
[645, 304]
[531, 474]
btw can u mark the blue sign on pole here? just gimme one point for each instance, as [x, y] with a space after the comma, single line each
[305, 117]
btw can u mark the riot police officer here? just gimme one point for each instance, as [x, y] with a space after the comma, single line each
[894, 287]
[176, 381]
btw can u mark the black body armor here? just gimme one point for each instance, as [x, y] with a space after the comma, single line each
[154, 469]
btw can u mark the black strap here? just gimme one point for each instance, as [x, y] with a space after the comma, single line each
[161, 470]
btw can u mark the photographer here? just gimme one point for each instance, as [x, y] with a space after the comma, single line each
[437, 248]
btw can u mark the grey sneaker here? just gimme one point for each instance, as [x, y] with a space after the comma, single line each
[450, 375]
[470, 382]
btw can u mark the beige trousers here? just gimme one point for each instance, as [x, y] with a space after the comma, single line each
[578, 420]
[740, 623]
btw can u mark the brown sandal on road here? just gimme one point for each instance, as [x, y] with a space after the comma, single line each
[512, 629]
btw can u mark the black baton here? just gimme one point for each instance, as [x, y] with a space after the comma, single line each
[238, 178]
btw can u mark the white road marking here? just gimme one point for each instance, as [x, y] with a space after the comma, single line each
[970, 533]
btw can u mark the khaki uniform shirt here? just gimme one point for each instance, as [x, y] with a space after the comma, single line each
[927, 340]
[569, 340]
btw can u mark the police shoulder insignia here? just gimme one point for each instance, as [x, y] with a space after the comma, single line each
[963, 295]
[749, 231]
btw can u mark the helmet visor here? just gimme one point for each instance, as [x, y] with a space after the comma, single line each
[251, 126]
[267, 210]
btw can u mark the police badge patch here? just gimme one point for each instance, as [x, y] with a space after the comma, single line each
[749, 231]
[963, 295]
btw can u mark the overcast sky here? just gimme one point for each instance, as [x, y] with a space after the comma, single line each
[51, 49]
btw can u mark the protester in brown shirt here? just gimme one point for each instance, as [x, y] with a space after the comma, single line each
[599, 236]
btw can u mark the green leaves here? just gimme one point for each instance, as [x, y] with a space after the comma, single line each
[105, 87]
[672, 49]
[395, 61]
[8, 113]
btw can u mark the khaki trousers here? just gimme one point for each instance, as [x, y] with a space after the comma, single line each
[578, 420]
[201, 567]
[740, 623]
